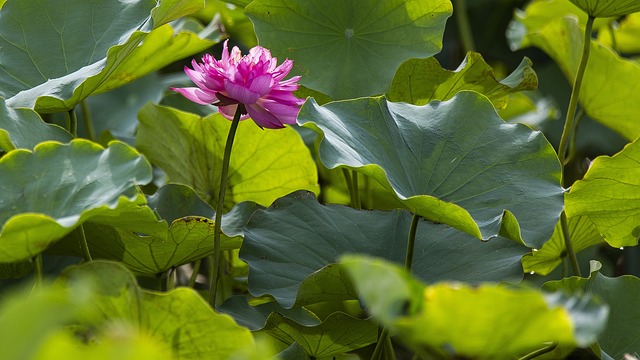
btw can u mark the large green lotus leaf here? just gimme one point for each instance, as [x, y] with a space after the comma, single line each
[419, 81]
[298, 236]
[538, 14]
[63, 54]
[609, 195]
[349, 49]
[583, 235]
[454, 162]
[337, 334]
[611, 103]
[607, 8]
[48, 192]
[626, 35]
[456, 320]
[621, 335]
[265, 165]
[189, 238]
[24, 128]
[179, 318]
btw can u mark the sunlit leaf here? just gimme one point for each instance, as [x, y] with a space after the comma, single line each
[49, 311]
[297, 236]
[33, 316]
[24, 128]
[608, 8]
[621, 334]
[236, 24]
[419, 81]
[612, 103]
[48, 192]
[454, 162]
[455, 320]
[583, 235]
[349, 49]
[337, 334]
[179, 318]
[624, 38]
[265, 165]
[188, 238]
[539, 13]
[609, 195]
[64, 53]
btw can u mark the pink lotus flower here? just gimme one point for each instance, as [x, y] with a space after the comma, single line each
[254, 82]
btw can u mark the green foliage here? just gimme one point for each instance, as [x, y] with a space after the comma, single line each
[610, 102]
[446, 254]
[608, 194]
[265, 164]
[50, 191]
[607, 8]
[435, 319]
[621, 335]
[419, 81]
[403, 155]
[427, 158]
[371, 35]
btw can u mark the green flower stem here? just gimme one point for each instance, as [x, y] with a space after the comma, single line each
[614, 43]
[567, 241]
[215, 267]
[368, 193]
[88, 124]
[464, 27]
[389, 353]
[347, 179]
[575, 93]
[72, 122]
[172, 276]
[568, 133]
[83, 243]
[356, 191]
[408, 262]
[37, 271]
[411, 242]
[194, 275]
[539, 352]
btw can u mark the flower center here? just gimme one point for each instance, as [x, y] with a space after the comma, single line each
[348, 33]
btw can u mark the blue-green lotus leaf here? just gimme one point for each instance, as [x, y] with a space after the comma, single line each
[24, 128]
[607, 8]
[298, 236]
[49, 191]
[454, 162]
[55, 55]
[349, 49]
